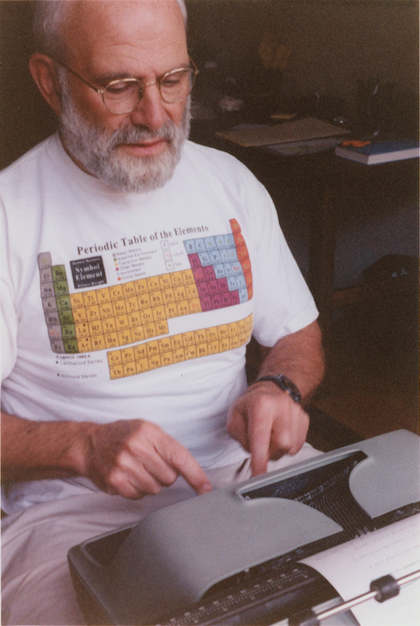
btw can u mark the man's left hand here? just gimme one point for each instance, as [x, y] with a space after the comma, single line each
[267, 423]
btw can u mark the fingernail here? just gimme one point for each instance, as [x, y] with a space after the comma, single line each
[205, 489]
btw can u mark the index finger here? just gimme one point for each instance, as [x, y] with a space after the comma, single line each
[187, 466]
[259, 437]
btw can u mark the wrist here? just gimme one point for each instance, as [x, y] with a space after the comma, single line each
[69, 447]
[85, 445]
[283, 383]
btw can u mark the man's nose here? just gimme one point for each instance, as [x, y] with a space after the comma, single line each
[150, 110]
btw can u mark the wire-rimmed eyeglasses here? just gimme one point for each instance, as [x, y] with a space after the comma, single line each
[122, 95]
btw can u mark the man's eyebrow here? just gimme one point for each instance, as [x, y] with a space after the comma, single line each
[104, 79]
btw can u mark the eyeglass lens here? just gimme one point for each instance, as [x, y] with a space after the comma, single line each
[122, 96]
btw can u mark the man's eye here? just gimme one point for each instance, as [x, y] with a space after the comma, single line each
[171, 81]
[121, 88]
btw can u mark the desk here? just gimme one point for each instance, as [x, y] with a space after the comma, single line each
[343, 178]
[330, 180]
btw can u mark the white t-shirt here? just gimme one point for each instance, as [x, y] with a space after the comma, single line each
[124, 305]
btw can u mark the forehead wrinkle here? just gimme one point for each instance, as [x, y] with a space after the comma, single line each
[163, 55]
[139, 24]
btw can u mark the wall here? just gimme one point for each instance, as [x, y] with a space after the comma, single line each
[333, 44]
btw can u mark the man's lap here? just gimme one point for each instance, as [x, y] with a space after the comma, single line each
[36, 585]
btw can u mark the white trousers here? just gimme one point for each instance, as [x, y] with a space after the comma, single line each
[36, 584]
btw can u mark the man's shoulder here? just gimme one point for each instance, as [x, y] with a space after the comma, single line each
[220, 168]
[212, 156]
[27, 162]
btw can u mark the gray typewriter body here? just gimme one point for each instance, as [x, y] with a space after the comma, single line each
[173, 559]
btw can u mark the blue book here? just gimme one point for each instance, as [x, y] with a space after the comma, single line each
[371, 152]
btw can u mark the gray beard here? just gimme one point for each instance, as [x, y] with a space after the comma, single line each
[95, 149]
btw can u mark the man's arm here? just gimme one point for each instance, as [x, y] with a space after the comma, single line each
[131, 458]
[266, 420]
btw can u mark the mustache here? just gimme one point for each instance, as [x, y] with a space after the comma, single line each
[139, 134]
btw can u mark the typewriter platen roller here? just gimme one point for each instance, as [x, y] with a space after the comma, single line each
[213, 552]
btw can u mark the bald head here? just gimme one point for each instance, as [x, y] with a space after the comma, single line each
[52, 16]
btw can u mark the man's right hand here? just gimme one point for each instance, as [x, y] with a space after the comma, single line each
[134, 458]
[131, 458]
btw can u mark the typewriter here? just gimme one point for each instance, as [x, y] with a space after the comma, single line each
[232, 556]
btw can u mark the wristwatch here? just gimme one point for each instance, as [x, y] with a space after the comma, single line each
[285, 384]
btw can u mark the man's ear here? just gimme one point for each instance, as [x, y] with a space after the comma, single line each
[45, 76]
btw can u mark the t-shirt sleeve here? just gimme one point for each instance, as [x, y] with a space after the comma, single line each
[283, 302]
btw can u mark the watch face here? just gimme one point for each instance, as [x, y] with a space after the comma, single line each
[291, 389]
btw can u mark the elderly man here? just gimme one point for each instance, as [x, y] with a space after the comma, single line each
[136, 267]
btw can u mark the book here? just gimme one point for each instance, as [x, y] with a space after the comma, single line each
[299, 130]
[371, 152]
[299, 148]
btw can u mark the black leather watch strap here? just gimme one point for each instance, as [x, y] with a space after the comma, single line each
[285, 384]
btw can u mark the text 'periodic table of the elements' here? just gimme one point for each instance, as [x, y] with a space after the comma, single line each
[137, 312]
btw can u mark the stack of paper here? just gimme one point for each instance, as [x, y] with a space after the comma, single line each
[299, 130]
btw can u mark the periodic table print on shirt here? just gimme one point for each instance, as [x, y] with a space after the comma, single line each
[113, 318]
